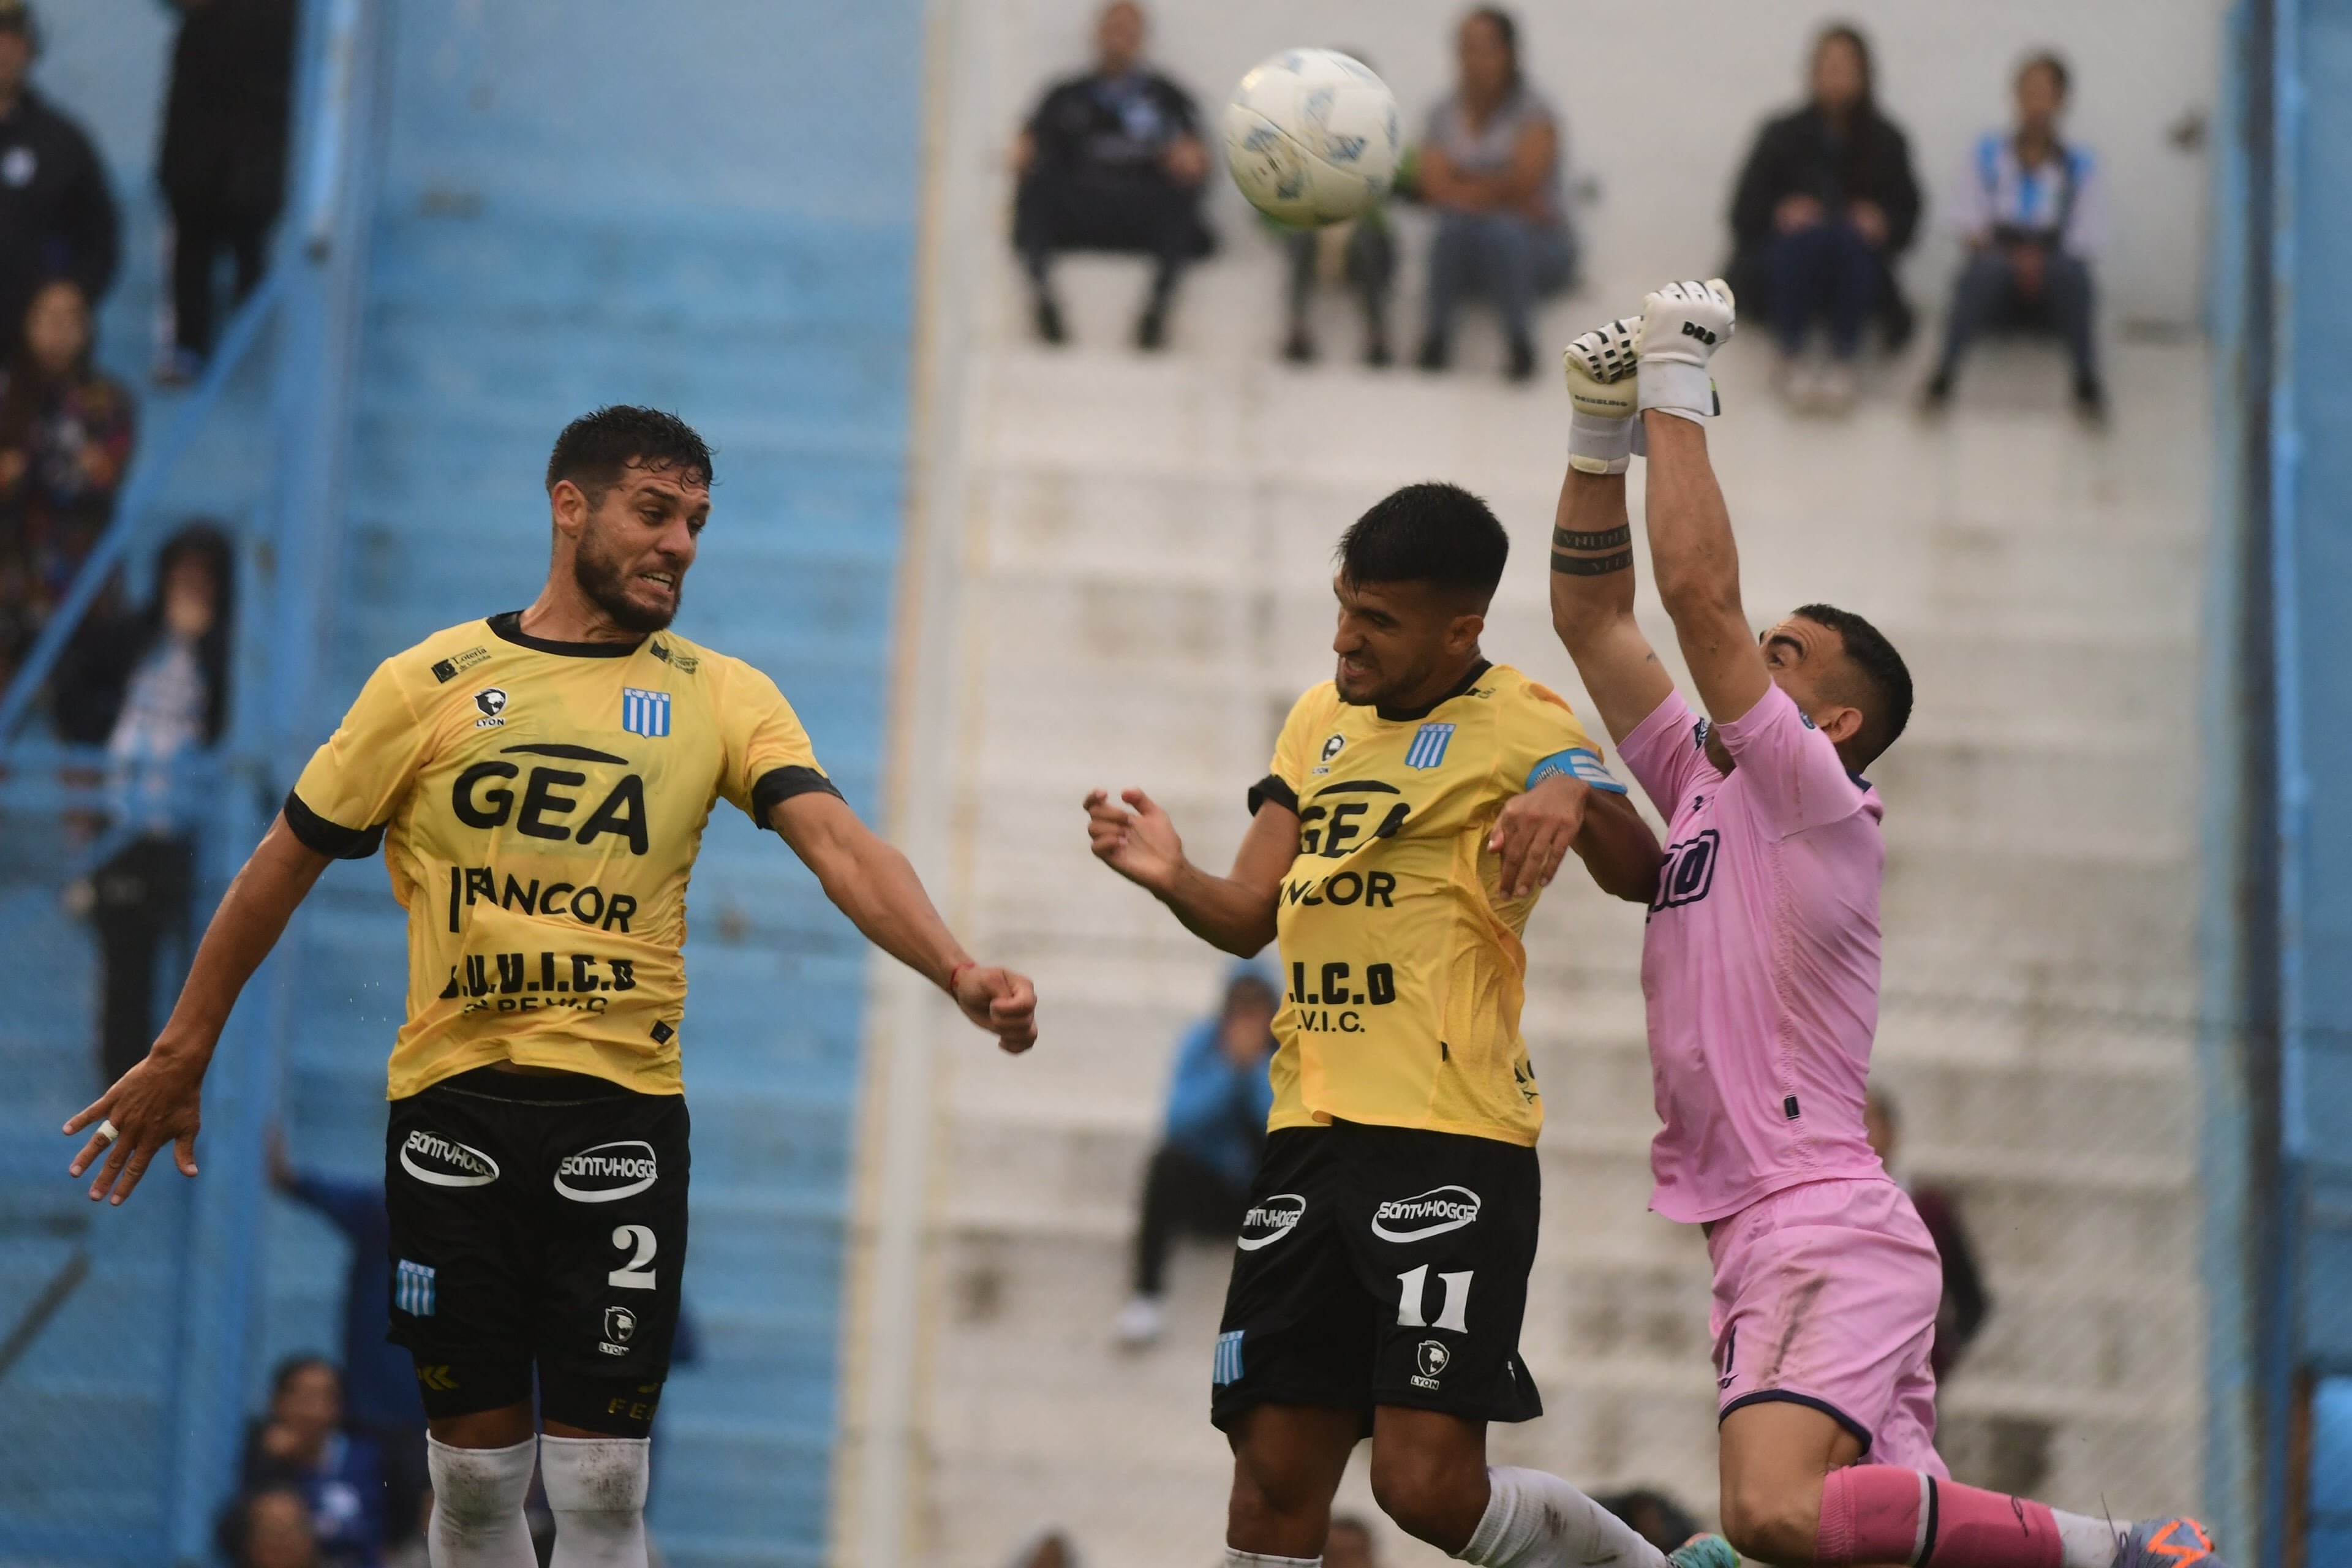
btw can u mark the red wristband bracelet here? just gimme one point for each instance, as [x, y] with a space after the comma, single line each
[958, 969]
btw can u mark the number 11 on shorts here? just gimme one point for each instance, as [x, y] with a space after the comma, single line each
[1415, 1282]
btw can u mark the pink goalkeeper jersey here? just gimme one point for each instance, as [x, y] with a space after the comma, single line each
[1760, 963]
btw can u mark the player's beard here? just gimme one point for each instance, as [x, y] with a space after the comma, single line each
[604, 577]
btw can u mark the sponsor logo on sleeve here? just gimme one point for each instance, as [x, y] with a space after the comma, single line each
[448, 670]
[1270, 1219]
[1432, 1212]
[441, 1161]
[607, 1172]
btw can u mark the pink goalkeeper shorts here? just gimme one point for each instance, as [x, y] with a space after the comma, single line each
[1825, 1295]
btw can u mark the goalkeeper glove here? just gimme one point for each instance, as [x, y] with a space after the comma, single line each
[1602, 433]
[1682, 326]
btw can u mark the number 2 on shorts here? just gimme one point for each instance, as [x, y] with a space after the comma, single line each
[1454, 1315]
[633, 1274]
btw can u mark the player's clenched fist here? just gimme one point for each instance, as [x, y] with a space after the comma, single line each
[1000, 1001]
[1603, 437]
[1682, 326]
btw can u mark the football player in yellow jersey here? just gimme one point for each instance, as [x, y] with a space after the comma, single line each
[539, 783]
[1418, 803]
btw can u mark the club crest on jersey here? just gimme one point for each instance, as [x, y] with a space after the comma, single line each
[645, 712]
[1429, 743]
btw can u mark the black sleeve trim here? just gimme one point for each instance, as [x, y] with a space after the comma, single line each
[1272, 790]
[330, 839]
[780, 784]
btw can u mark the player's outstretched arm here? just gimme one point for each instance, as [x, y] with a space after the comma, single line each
[869, 880]
[1235, 912]
[160, 1100]
[1691, 554]
[1540, 826]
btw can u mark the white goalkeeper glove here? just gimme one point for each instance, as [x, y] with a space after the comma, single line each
[1682, 326]
[1603, 435]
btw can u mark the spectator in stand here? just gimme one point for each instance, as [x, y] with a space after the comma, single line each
[1050, 1547]
[1359, 254]
[270, 1528]
[1218, 1100]
[1112, 160]
[2028, 210]
[65, 435]
[1490, 166]
[57, 216]
[380, 1396]
[302, 1444]
[1655, 1516]
[1826, 204]
[1349, 1543]
[1966, 1304]
[155, 684]
[223, 163]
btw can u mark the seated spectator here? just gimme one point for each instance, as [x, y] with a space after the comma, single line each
[1112, 160]
[380, 1396]
[1359, 254]
[1349, 1543]
[270, 1528]
[1490, 166]
[2028, 210]
[57, 216]
[1824, 206]
[1655, 1516]
[301, 1446]
[1050, 1547]
[223, 162]
[65, 435]
[1218, 1100]
[1966, 1304]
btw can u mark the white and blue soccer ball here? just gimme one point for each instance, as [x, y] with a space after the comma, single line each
[1311, 137]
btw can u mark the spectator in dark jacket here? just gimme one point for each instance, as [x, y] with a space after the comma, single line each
[380, 1397]
[1825, 204]
[1218, 1100]
[222, 166]
[271, 1528]
[57, 216]
[302, 1445]
[1965, 1303]
[1112, 160]
[65, 436]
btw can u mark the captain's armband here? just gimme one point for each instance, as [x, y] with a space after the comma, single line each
[1578, 764]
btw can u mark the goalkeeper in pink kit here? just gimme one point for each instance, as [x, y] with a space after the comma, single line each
[1761, 968]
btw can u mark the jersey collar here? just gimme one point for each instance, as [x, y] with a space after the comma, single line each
[508, 625]
[1406, 715]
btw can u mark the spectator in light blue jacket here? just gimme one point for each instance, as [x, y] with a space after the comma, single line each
[1218, 1102]
[2029, 210]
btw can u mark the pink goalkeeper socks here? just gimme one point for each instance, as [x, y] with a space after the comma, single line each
[1883, 1513]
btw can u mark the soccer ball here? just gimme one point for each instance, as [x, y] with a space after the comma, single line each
[1311, 137]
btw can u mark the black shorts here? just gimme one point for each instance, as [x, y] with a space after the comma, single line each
[1382, 1265]
[538, 1221]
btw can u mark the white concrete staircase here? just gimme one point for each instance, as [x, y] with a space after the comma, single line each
[1149, 544]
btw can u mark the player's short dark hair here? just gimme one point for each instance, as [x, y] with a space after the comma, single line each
[596, 447]
[2054, 63]
[1887, 679]
[1435, 533]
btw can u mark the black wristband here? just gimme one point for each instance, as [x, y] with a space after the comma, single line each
[1607, 539]
[1591, 565]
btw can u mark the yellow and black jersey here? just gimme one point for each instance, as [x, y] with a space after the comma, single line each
[539, 805]
[1405, 970]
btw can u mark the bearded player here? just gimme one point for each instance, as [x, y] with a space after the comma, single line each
[1760, 966]
[1418, 803]
[539, 783]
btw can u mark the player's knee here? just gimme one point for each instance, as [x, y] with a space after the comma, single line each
[1769, 1524]
[1432, 1496]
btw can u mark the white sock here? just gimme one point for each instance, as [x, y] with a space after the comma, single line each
[1258, 1560]
[2087, 1543]
[1536, 1520]
[478, 1506]
[596, 1490]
